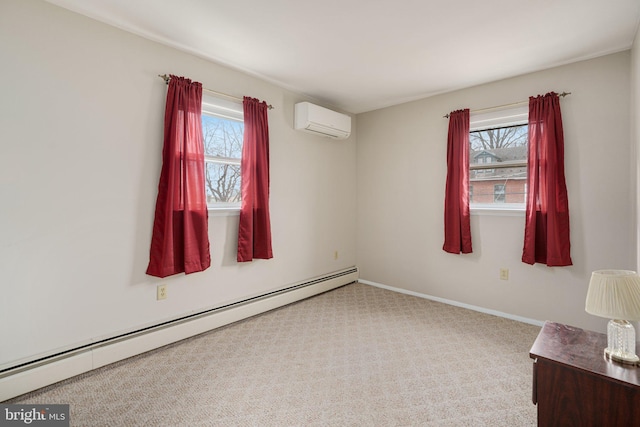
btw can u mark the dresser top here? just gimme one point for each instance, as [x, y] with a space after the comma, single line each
[582, 350]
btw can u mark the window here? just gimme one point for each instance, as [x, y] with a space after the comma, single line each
[223, 131]
[498, 159]
[499, 193]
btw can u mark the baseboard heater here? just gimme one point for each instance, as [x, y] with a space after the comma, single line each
[35, 374]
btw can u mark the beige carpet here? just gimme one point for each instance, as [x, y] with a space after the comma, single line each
[355, 356]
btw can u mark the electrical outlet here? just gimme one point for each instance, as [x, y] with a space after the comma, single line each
[504, 274]
[162, 292]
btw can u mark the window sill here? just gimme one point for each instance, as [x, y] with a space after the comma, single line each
[501, 210]
[224, 211]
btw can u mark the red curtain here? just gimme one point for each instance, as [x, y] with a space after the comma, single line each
[457, 222]
[180, 241]
[254, 231]
[546, 234]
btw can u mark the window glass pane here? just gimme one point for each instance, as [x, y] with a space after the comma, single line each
[222, 182]
[505, 148]
[222, 137]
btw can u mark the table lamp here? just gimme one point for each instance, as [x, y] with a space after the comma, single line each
[615, 294]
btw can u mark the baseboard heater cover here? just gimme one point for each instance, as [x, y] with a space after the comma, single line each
[49, 370]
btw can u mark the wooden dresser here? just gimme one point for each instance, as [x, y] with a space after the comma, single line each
[574, 385]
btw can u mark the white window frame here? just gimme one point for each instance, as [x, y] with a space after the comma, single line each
[231, 110]
[511, 116]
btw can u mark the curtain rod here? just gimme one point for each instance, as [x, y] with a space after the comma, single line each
[166, 79]
[513, 104]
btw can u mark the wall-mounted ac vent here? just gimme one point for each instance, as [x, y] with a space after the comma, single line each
[321, 121]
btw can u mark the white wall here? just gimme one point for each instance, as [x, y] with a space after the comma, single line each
[401, 163]
[81, 110]
[635, 139]
[635, 129]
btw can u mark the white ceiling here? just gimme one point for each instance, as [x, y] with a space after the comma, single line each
[361, 55]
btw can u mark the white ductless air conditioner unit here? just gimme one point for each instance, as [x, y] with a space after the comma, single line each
[321, 121]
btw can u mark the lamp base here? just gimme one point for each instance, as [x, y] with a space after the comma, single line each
[624, 358]
[621, 342]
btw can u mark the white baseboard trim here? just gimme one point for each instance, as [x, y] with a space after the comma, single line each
[455, 303]
[27, 378]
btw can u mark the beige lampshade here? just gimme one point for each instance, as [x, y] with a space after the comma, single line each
[614, 294]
